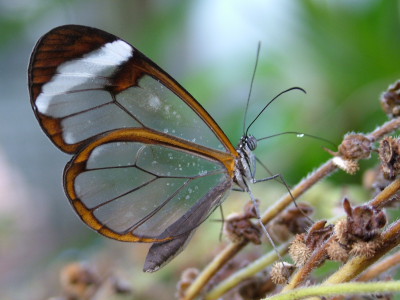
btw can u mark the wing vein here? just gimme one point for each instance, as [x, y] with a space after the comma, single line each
[153, 212]
[123, 194]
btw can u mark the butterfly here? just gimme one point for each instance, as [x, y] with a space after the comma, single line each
[149, 163]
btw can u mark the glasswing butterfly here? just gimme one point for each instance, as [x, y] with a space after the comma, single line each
[149, 163]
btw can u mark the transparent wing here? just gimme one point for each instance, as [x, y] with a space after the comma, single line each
[161, 253]
[85, 82]
[131, 189]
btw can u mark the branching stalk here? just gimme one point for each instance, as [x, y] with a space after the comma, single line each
[322, 172]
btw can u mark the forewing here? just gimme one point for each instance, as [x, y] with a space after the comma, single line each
[141, 188]
[84, 82]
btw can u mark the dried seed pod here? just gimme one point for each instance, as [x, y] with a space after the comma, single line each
[366, 249]
[355, 146]
[364, 222]
[187, 278]
[299, 251]
[79, 280]
[303, 245]
[318, 234]
[256, 287]
[281, 271]
[239, 226]
[389, 154]
[390, 100]
[337, 251]
[359, 233]
[341, 232]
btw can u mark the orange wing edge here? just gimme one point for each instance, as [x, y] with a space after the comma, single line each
[78, 164]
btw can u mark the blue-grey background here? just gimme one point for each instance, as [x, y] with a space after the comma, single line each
[343, 53]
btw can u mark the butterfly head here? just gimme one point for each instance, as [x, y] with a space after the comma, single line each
[248, 141]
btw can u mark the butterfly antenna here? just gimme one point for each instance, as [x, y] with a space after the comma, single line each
[272, 100]
[299, 134]
[282, 180]
[251, 85]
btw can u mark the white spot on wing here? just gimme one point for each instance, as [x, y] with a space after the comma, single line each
[154, 102]
[111, 54]
[88, 72]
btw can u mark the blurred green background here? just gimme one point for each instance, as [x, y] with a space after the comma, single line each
[343, 53]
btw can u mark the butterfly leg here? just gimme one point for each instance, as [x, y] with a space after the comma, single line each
[238, 189]
[283, 181]
[261, 224]
[268, 178]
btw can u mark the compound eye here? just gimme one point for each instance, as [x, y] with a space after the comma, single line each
[251, 142]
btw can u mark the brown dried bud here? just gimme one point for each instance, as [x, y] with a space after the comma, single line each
[365, 249]
[304, 244]
[363, 222]
[390, 100]
[355, 146]
[281, 271]
[318, 234]
[256, 288]
[389, 154]
[239, 226]
[299, 251]
[341, 231]
[336, 251]
[359, 232]
[187, 278]
[79, 280]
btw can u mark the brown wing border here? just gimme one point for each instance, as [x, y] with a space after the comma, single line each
[78, 165]
[73, 41]
[54, 48]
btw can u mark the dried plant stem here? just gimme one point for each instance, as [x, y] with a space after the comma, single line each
[233, 248]
[383, 197]
[356, 265]
[343, 288]
[381, 267]
[314, 261]
[246, 272]
[318, 255]
[202, 279]
[323, 171]
[389, 127]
